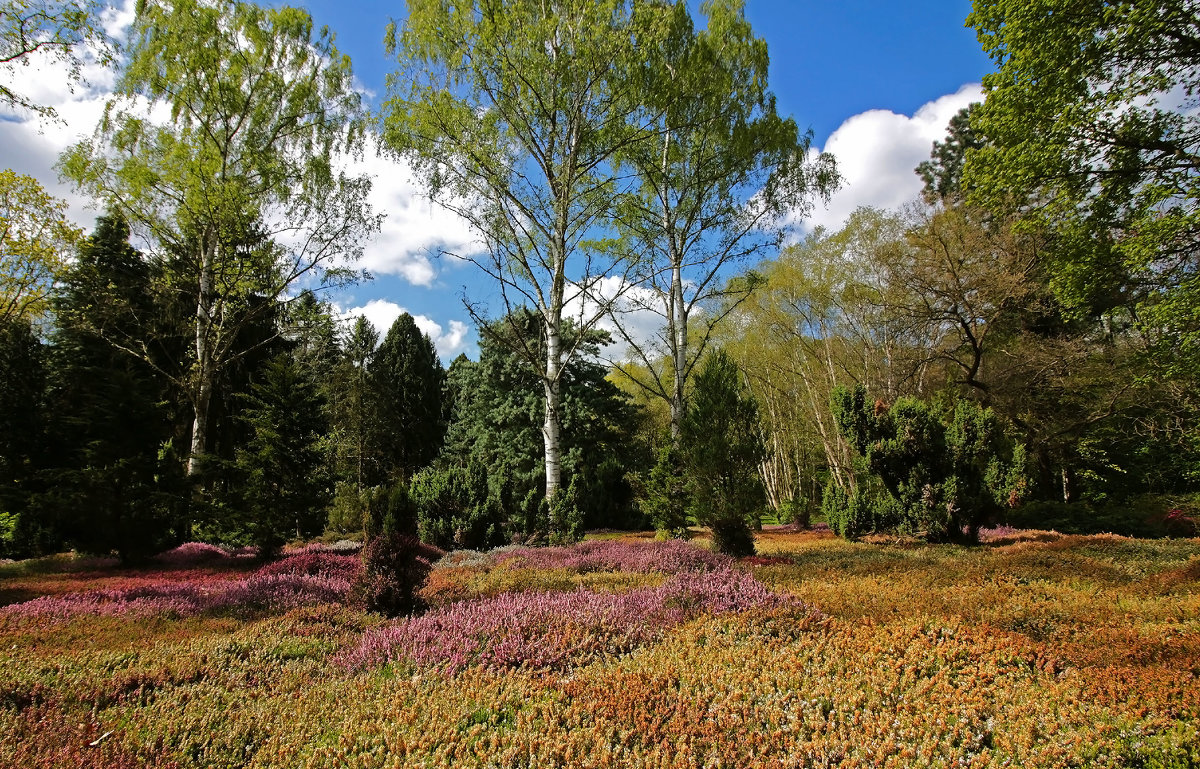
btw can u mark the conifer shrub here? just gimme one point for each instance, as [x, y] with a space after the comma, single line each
[928, 469]
[566, 518]
[395, 567]
[666, 501]
[456, 507]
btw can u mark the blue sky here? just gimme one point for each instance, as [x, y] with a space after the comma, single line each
[875, 80]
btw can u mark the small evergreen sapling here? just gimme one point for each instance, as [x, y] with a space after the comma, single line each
[722, 449]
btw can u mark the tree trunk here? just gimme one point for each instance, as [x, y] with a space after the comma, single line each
[203, 386]
[551, 427]
[679, 335]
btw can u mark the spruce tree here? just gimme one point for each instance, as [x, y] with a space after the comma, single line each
[284, 492]
[114, 479]
[22, 382]
[407, 379]
[723, 449]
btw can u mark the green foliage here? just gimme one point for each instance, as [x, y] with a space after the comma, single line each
[36, 239]
[282, 488]
[944, 472]
[112, 419]
[406, 380]
[461, 507]
[22, 383]
[352, 407]
[666, 501]
[58, 29]
[402, 513]
[942, 173]
[1086, 126]
[259, 103]
[712, 179]
[497, 418]
[722, 449]
[566, 518]
[348, 509]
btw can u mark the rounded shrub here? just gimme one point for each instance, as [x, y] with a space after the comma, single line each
[395, 567]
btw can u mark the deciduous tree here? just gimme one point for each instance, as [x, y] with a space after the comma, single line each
[35, 241]
[512, 112]
[718, 183]
[241, 186]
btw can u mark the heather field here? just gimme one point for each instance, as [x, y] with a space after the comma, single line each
[1034, 649]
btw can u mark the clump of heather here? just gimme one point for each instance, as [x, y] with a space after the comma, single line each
[670, 557]
[556, 630]
[294, 582]
[317, 563]
[394, 569]
[191, 554]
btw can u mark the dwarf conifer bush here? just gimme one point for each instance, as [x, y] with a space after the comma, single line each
[939, 471]
[395, 568]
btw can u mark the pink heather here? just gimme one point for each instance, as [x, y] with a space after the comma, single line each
[670, 557]
[556, 630]
[300, 580]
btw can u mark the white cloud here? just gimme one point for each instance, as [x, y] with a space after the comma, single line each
[878, 150]
[31, 145]
[415, 229]
[412, 233]
[449, 341]
[639, 309]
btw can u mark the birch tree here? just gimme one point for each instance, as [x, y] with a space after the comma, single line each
[68, 32]
[720, 184]
[512, 112]
[239, 186]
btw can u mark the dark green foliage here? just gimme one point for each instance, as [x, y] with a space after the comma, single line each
[395, 568]
[722, 449]
[869, 509]
[22, 382]
[283, 491]
[942, 173]
[407, 380]
[115, 479]
[666, 499]
[565, 515]
[496, 420]
[460, 507]
[352, 408]
[402, 512]
[347, 509]
[1146, 515]
[944, 472]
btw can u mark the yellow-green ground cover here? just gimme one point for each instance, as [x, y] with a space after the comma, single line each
[1033, 649]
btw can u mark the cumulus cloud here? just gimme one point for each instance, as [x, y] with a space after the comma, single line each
[415, 229]
[877, 151]
[30, 144]
[448, 340]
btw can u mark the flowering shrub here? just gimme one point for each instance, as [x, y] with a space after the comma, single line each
[191, 554]
[555, 630]
[297, 581]
[1179, 524]
[317, 563]
[670, 557]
